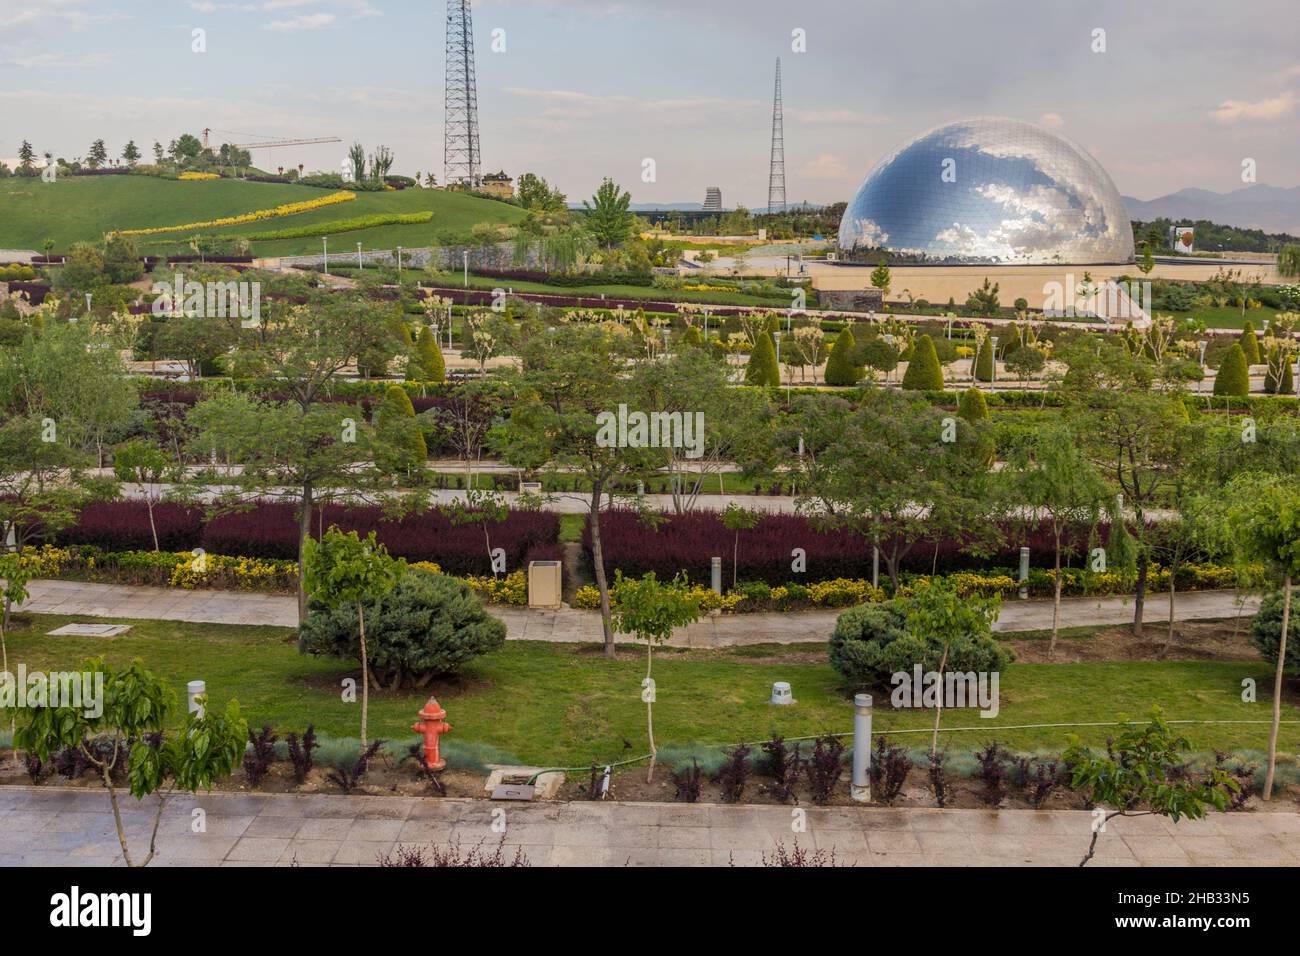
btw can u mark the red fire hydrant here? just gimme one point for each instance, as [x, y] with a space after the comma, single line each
[431, 724]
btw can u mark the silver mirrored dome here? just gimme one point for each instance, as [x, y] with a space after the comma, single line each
[989, 190]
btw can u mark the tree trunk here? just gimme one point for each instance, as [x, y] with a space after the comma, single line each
[148, 505]
[1140, 593]
[1169, 634]
[598, 559]
[1056, 598]
[365, 675]
[938, 711]
[304, 532]
[649, 714]
[1277, 689]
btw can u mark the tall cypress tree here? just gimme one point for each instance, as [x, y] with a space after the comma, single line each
[762, 369]
[1234, 376]
[1249, 344]
[839, 370]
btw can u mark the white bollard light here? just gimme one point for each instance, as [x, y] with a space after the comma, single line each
[860, 789]
[195, 689]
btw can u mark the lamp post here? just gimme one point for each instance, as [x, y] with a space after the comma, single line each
[993, 365]
[889, 340]
[465, 259]
[399, 264]
[1202, 344]
[360, 265]
[89, 296]
[325, 244]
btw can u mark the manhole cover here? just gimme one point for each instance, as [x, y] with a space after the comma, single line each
[90, 630]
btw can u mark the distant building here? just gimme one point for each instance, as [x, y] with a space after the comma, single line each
[499, 185]
[713, 199]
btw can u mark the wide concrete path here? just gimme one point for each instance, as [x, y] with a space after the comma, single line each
[569, 625]
[53, 827]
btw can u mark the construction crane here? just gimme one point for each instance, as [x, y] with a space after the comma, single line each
[269, 143]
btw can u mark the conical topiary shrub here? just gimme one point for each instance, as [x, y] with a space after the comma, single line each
[924, 372]
[984, 362]
[400, 432]
[428, 364]
[1234, 375]
[839, 370]
[972, 406]
[1249, 344]
[762, 369]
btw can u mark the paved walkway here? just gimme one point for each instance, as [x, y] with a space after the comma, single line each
[569, 625]
[66, 827]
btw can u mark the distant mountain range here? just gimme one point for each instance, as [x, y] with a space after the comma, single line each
[1270, 208]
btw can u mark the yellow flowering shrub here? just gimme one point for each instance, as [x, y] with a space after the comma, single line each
[193, 177]
[511, 589]
[287, 209]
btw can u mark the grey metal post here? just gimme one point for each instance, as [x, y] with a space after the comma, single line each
[716, 574]
[1024, 573]
[195, 688]
[860, 789]
[875, 566]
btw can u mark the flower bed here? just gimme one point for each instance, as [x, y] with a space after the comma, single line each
[185, 569]
[687, 543]
[269, 530]
[844, 592]
[286, 209]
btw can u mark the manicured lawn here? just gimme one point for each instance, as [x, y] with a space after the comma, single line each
[566, 705]
[84, 208]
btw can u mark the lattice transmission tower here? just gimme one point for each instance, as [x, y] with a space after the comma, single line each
[776, 176]
[461, 161]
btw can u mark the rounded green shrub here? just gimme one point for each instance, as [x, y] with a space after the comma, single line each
[1266, 630]
[1234, 375]
[924, 372]
[871, 643]
[428, 625]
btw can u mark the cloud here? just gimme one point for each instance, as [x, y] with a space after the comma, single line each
[825, 166]
[1273, 108]
[309, 21]
[1051, 120]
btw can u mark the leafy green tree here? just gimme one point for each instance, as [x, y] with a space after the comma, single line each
[122, 264]
[923, 371]
[737, 519]
[131, 153]
[1139, 775]
[608, 219]
[1233, 378]
[1249, 343]
[26, 157]
[42, 483]
[15, 575]
[1280, 379]
[132, 726]
[357, 162]
[880, 278]
[535, 193]
[984, 300]
[1147, 261]
[342, 570]
[1263, 522]
[1051, 478]
[567, 384]
[146, 465]
[839, 370]
[1288, 260]
[944, 619]
[650, 610]
[762, 368]
[98, 154]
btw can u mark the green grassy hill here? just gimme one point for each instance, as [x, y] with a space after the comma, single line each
[84, 208]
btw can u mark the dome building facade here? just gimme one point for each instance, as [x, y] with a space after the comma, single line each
[988, 190]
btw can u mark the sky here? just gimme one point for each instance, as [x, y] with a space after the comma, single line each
[1182, 94]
